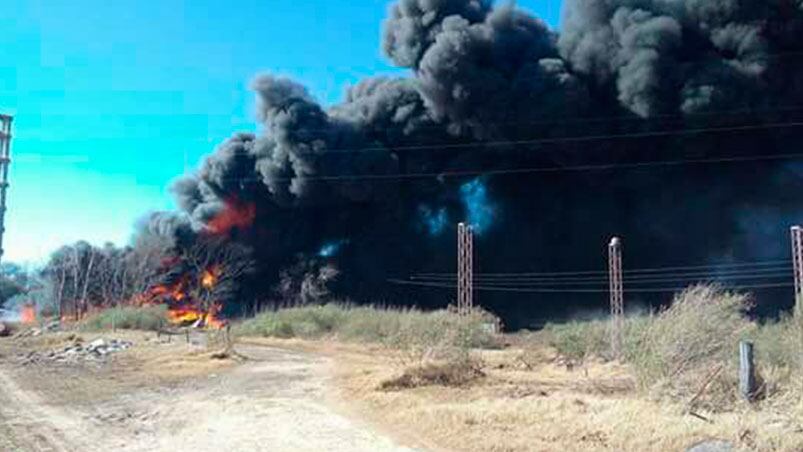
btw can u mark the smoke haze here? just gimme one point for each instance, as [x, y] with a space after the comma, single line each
[337, 200]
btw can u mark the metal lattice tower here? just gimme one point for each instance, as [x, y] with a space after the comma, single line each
[617, 294]
[465, 268]
[5, 160]
[797, 260]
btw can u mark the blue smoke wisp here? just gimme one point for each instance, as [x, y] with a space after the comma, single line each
[479, 211]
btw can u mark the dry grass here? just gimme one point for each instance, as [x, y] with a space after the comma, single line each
[428, 348]
[559, 389]
[393, 327]
[423, 375]
[549, 407]
[149, 318]
[449, 373]
[674, 351]
[681, 346]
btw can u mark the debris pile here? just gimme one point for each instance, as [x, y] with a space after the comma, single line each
[96, 350]
[38, 331]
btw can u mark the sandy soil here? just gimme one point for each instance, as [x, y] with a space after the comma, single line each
[171, 398]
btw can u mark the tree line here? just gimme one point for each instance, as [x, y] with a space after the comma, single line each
[80, 278]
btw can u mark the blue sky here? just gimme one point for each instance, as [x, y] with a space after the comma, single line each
[115, 99]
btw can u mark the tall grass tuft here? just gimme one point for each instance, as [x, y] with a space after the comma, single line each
[580, 340]
[393, 327]
[697, 335]
[672, 351]
[432, 347]
[149, 318]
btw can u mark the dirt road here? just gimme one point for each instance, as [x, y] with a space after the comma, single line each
[274, 402]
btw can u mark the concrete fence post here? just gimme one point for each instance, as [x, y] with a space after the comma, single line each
[747, 375]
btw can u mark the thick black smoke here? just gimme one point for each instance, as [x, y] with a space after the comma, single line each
[355, 187]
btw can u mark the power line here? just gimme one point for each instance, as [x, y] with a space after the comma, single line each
[525, 282]
[515, 171]
[724, 267]
[630, 283]
[581, 139]
[576, 291]
[631, 117]
[697, 274]
[780, 262]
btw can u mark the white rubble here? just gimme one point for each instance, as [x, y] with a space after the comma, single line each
[96, 350]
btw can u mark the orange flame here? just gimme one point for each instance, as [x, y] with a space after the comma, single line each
[182, 307]
[212, 320]
[28, 314]
[209, 277]
[235, 214]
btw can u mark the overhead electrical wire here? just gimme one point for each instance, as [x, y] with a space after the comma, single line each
[637, 277]
[610, 118]
[714, 267]
[764, 275]
[515, 171]
[575, 290]
[785, 275]
[576, 139]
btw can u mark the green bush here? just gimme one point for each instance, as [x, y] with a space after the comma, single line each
[149, 318]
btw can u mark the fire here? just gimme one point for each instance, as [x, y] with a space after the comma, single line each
[212, 320]
[210, 277]
[28, 314]
[235, 214]
[183, 305]
[196, 317]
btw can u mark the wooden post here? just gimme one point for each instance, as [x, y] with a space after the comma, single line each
[747, 376]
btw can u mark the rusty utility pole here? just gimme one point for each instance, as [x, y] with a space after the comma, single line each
[616, 294]
[5, 160]
[465, 268]
[797, 261]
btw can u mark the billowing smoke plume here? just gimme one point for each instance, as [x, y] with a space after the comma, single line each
[372, 188]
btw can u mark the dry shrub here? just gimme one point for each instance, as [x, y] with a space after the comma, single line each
[442, 336]
[439, 351]
[673, 351]
[578, 341]
[778, 355]
[449, 373]
[684, 343]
